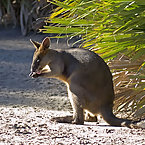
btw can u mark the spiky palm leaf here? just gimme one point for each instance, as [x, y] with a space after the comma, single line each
[116, 30]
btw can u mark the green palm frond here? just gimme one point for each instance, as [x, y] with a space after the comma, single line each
[116, 30]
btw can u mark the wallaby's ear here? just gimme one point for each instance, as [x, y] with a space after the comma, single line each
[45, 43]
[36, 44]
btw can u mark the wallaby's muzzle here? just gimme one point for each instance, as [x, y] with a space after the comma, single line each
[35, 69]
[34, 74]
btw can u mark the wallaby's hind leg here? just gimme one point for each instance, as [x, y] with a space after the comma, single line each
[64, 119]
[111, 119]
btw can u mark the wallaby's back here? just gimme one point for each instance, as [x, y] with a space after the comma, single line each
[92, 74]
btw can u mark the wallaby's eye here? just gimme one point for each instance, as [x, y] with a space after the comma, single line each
[38, 60]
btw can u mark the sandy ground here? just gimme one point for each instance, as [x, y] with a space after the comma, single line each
[27, 105]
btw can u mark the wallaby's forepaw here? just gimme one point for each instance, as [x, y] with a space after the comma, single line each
[65, 119]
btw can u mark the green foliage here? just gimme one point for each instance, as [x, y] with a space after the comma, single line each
[116, 30]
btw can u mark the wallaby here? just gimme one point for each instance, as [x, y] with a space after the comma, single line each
[87, 76]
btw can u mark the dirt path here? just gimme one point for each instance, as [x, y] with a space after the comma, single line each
[26, 104]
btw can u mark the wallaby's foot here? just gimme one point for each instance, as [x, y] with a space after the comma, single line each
[78, 122]
[78, 116]
[65, 119]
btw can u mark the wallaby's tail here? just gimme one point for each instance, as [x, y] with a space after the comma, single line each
[111, 119]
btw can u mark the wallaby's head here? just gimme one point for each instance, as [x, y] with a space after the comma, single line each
[40, 59]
